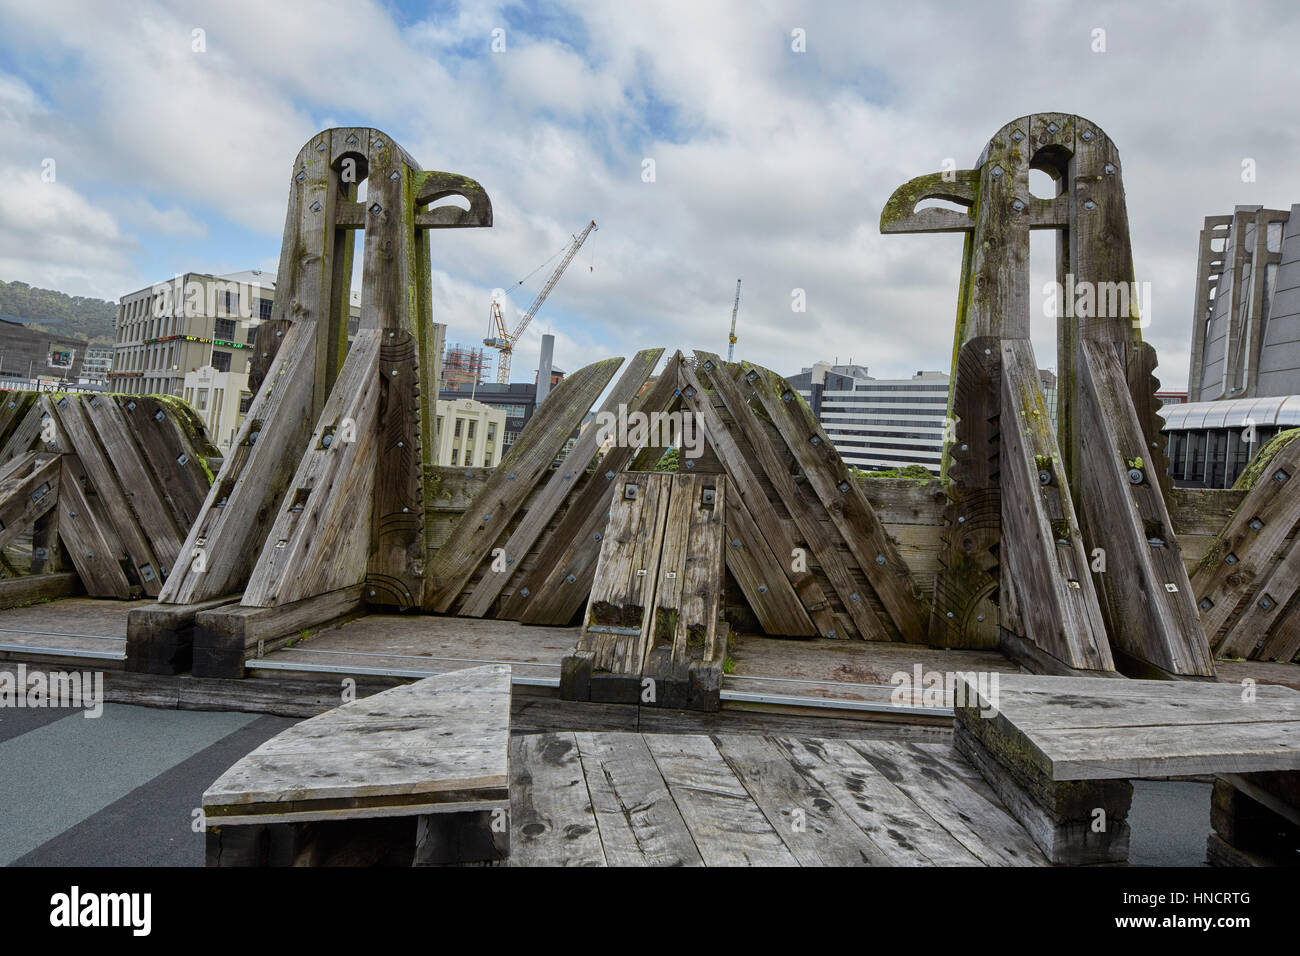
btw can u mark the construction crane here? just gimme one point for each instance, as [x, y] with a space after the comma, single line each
[503, 341]
[731, 339]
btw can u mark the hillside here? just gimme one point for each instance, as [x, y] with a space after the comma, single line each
[71, 315]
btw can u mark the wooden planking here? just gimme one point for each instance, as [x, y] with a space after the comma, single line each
[967, 583]
[657, 655]
[319, 539]
[815, 829]
[561, 484]
[27, 492]
[1261, 631]
[698, 636]
[843, 499]
[25, 433]
[820, 540]
[640, 823]
[244, 500]
[164, 441]
[83, 534]
[764, 531]
[551, 815]
[1041, 544]
[761, 575]
[396, 566]
[981, 825]
[904, 831]
[156, 519]
[728, 827]
[618, 611]
[1148, 604]
[438, 745]
[498, 502]
[1134, 728]
[1242, 557]
[113, 508]
[546, 595]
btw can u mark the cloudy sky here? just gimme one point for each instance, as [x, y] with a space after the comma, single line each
[771, 164]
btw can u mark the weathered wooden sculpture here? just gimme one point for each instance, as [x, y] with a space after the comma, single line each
[105, 485]
[1035, 508]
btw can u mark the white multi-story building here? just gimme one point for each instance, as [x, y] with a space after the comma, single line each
[878, 423]
[220, 400]
[470, 433]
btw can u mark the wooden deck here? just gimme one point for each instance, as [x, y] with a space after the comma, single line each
[624, 799]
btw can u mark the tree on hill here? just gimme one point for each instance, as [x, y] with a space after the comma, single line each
[72, 315]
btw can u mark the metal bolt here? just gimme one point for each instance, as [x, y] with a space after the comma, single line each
[1087, 136]
[1017, 205]
[735, 542]
[961, 519]
[1089, 205]
[980, 618]
[1135, 476]
[855, 597]
[690, 465]
[1044, 477]
[1230, 559]
[326, 440]
[950, 613]
[1109, 169]
[524, 592]
[1256, 524]
[1052, 127]
[597, 536]
[376, 208]
[831, 633]
[1017, 136]
[608, 475]
[965, 447]
[1205, 604]
[988, 351]
[1266, 603]
[301, 176]
[570, 579]
[395, 176]
[815, 440]
[880, 559]
[844, 486]
[762, 589]
[315, 207]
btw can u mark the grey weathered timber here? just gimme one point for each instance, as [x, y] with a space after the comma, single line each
[1070, 728]
[32, 588]
[1104, 464]
[160, 637]
[850, 512]
[1246, 580]
[319, 539]
[433, 748]
[964, 611]
[550, 809]
[28, 491]
[561, 484]
[227, 635]
[85, 532]
[529, 457]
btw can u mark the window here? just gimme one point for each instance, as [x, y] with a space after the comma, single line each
[470, 432]
[202, 404]
[245, 399]
[487, 460]
[455, 456]
[456, 431]
[221, 360]
[492, 432]
[263, 310]
[225, 329]
[251, 338]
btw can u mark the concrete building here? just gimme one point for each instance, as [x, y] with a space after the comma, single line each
[1246, 319]
[470, 433]
[221, 399]
[98, 363]
[30, 358]
[878, 423]
[1210, 443]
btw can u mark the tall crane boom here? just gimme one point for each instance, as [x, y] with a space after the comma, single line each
[731, 339]
[503, 341]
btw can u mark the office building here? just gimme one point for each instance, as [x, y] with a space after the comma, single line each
[470, 433]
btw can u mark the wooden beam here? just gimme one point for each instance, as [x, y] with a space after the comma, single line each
[27, 493]
[500, 500]
[83, 534]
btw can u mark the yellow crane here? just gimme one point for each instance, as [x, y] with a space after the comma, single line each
[731, 338]
[503, 341]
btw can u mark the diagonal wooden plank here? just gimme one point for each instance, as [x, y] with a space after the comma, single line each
[496, 505]
[725, 822]
[640, 824]
[557, 587]
[809, 821]
[551, 818]
[27, 493]
[760, 574]
[698, 636]
[175, 447]
[26, 432]
[319, 540]
[82, 533]
[114, 508]
[772, 532]
[850, 512]
[806, 518]
[246, 495]
[561, 483]
[151, 509]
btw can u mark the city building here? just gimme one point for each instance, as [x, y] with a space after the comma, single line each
[32, 359]
[1246, 319]
[221, 399]
[97, 365]
[516, 400]
[1211, 443]
[877, 424]
[470, 433]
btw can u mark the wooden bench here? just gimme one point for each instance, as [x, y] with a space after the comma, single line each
[413, 775]
[1060, 752]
